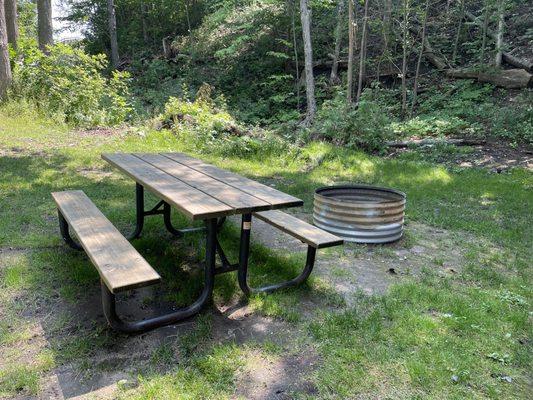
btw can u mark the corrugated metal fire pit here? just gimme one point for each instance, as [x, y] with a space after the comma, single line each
[360, 213]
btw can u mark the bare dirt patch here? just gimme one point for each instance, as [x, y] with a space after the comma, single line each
[373, 268]
[493, 155]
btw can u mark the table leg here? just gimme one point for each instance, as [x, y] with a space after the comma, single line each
[109, 303]
[161, 208]
[244, 254]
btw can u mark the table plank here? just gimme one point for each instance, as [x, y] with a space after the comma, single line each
[240, 201]
[190, 201]
[272, 196]
[120, 266]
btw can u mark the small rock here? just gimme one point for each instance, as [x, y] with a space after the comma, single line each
[506, 378]
[455, 378]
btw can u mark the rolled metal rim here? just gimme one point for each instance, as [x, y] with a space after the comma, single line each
[360, 213]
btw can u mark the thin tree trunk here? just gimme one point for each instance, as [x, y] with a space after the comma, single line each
[5, 66]
[188, 17]
[11, 22]
[112, 25]
[386, 32]
[144, 13]
[506, 56]
[295, 48]
[459, 30]
[334, 77]
[499, 34]
[404, 55]
[305, 15]
[352, 39]
[44, 24]
[486, 16]
[362, 54]
[419, 61]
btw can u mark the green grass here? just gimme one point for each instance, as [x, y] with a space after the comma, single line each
[437, 337]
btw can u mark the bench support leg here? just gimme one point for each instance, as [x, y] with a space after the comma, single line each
[109, 301]
[65, 234]
[244, 253]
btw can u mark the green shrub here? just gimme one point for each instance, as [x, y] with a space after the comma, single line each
[435, 125]
[366, 127]
[70, 84]
[514, 123]
[209, 129]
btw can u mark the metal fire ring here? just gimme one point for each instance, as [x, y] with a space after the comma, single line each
[360, 213]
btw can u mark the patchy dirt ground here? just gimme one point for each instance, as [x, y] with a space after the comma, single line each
[493, 155]
[349, 269]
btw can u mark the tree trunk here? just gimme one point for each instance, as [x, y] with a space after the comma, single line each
[362, 54]
[352, 39]
[144, 23]
[5, 66]
[44, 24]
[405, 29]
[508, 78]
[334, 77]
[459, 30]
[507, 57]
[419, 61]
[305, 15]
[295, 48]
[499, 34]
[112, 25]
[485, 27]
[11, 22]
[386, 32]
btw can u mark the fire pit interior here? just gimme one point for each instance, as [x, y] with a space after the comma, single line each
[360, 213]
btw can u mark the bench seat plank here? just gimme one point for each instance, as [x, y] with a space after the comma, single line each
[120, 266]
[307, 233]
[272, 196]
[190, 201]
[242, 202]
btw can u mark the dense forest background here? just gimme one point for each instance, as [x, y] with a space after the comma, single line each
[246, 73]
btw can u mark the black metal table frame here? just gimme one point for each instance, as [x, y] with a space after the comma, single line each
[213, 247]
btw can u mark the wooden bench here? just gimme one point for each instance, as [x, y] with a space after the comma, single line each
[120, 266]
[314, 237]
[307, 233]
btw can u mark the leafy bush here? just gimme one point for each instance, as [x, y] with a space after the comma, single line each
[201, 125]
[366, 127]
[515, 122]
[436, 125]
[69, 83]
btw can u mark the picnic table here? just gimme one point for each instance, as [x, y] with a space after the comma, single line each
[199, 191]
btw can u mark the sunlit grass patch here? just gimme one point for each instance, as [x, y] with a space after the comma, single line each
[445, 341]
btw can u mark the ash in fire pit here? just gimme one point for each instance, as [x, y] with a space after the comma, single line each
[360, 213]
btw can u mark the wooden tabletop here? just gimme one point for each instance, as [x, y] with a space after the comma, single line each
[197, 189]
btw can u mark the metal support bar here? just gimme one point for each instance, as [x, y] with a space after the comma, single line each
[65, 234]
[157, 210]
[244, 253]
[109, 301]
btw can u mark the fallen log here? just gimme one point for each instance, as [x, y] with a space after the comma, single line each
[429, 142]
[508, 78]
[507, 57]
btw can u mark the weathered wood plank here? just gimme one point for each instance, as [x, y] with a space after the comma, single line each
[120, 266]
[272, 196]
[307, 233]
[242, 202]
[190, 201]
